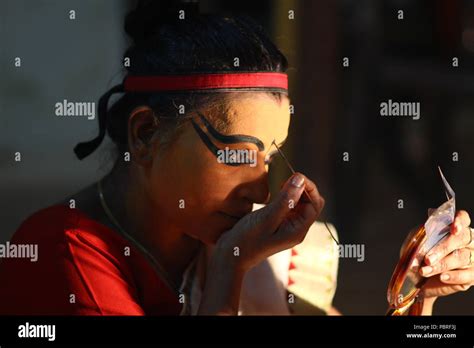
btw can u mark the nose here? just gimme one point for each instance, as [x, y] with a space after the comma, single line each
[257, 190]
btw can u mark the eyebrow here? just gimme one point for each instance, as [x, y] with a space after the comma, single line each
[210, 145]
[230, 139]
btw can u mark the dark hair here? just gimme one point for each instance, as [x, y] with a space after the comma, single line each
[165, 44]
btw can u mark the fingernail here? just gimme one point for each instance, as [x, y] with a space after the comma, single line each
[445, 277]
[297, 180]
[426, 270]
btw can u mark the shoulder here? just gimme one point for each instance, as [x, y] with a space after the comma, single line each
[61, 233]
[78, 267]
[59, 223]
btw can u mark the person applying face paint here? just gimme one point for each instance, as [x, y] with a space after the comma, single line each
[137, 231]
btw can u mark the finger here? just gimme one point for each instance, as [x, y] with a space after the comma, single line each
[446, 247]
[461, 276]
[457, 259]
[434, 287]
[286, 200]
[464, 217]
[297, 222]
[461, 221]
[314, 196]
[307, 210]
[466, 236]
[295, 227]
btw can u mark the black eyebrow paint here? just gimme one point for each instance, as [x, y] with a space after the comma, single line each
[231, 139]
[210, 145]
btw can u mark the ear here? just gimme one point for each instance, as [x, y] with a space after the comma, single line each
[142, 125]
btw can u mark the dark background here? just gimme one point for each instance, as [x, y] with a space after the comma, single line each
[336, 110]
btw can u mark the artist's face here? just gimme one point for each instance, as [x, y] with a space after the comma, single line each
[191, 187]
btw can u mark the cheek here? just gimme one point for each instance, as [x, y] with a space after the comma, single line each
[189, 190]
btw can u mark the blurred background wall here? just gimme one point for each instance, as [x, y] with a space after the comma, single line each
[76, 60]
[337, 110]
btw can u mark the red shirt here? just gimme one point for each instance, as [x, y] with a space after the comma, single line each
[82, 269]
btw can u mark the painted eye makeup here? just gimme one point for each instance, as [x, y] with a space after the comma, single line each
[230, 139]
[227, 155]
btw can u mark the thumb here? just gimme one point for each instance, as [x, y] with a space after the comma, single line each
[285, 201]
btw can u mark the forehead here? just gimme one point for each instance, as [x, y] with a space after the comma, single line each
[261, 116]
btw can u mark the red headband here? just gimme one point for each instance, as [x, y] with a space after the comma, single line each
[248, 80]
[242, 81]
